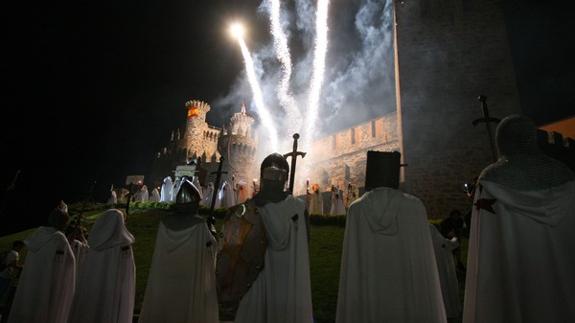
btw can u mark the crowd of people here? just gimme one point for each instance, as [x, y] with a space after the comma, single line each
[395, 265]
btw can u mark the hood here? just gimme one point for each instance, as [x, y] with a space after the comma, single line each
[109, 231]
[380, 207]
[547, 206]
[41, 237]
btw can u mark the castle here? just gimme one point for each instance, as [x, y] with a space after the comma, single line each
[235, 142]
[340, 157]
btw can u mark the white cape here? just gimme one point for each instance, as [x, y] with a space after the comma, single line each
[46, 287]
[282, 292]
[144, 195]
[155, 196]
[447, 273]
[521, 263]
[388, 269]
[337, 207]
[182, 284]
[113, 200]
[167, 190]
[105, 288]
[79, 248]
[208, 194]
[176, 189]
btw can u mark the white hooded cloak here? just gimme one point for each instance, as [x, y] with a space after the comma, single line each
[182, 281]
[388, 269]
[447, 273]
[155, 196]
[208, 194]
[167, 190]
[106, 277]
[282, 292]
[337, 207]
[521, 263]
[46, 287]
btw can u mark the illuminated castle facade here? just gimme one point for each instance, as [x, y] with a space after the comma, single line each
[339, 158]
[235, 142]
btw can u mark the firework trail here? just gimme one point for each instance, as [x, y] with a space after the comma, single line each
[283, 55]
[265, 116]
[320, 51]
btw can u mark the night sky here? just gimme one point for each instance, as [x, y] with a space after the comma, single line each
[90, 90]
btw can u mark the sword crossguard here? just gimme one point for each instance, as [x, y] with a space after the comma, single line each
[297, 153]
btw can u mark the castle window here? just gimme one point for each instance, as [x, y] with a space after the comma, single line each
[352, 136]
[373, 128]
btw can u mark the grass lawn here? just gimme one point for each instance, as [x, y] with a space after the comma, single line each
[325, 254]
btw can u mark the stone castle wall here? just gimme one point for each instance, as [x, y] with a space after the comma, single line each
[340, 158]
[449, 52]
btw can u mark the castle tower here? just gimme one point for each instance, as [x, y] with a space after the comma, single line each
[437, 95]
[241, 123]
[238, 146]
[199, 137]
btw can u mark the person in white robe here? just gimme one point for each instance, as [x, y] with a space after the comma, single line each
[521, 259]
[46, 286]
[208, 195]
[316, 201]
[281, 293]
[105, 286]
[113, 199]
[337, 206]
[77, 240]
[155, 195]
[145, 194]
[176, 188]
[226, 196]
[447, 273]
[166, 190]
[196, 182]
[181, 285]
[388, 268]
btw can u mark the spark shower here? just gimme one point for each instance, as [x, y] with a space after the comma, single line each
[294, 117]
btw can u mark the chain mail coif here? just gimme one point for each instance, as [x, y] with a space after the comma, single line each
[522, 165]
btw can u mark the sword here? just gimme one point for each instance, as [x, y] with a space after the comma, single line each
[293, 154]
[487, 120]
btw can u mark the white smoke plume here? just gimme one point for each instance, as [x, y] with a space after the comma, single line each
[358, 83]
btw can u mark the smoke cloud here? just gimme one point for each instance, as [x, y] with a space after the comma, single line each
[359, 80]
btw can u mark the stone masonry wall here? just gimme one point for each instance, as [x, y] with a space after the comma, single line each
[449, 52]
[341, 157]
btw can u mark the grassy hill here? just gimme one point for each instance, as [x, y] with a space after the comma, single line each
[325, 254]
